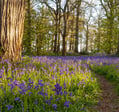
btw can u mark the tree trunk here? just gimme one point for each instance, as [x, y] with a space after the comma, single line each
[29, 27]
[77, 30]
[1, 50]
[64, 37]
[77, 26]
[118, 45]
[59, 32]
[11, 28]
[56, 28]
[99, 35]
[55, 42]
[87, 37]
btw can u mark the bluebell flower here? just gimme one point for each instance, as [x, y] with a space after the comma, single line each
[15, 82]
[21, 85]
[82, 109]
[58, 89]
[22, 104]
[36, 102]
[11, 85]
[57, 99]
[17, 99]
[30, 93]
[65, 92]
[54, 106]
[29, 87]
[23, 91]
[41, 93]
[70, 94]
[9, 107]
[36, 87]
[48, 102]
[51, 98]
[30, 81]
[66, 104]
[64, 85]
[43, 107]
[40, 83]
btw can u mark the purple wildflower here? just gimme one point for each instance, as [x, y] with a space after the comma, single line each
[48, 102]
[82, 109]
[65, 92]
[36, 102]
[17, 99]
[54, 106]
[57, 99]
[58, 89]
[36, 87]
[9, 107]
[66, 104]
[64, 85]
[30, 93]
[40, 83]
[70, 94]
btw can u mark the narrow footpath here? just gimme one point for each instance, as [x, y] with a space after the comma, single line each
[109, 101]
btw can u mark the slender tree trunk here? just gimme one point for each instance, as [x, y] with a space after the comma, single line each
[99, 35]
[11, 28]
[118, 45]
[58, 46]
[118, 37]
[77, 26]
[64, 36]
[81, 43]
[59, 32]
[52, 45]
[59, 24]
[77, 30]
[87, 37]
[56, 27]
[70, 43]
[37, 46]
[55, 42]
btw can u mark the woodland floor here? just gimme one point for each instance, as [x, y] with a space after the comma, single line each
[109, 101]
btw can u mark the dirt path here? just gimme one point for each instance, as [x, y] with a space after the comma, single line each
[109, 101]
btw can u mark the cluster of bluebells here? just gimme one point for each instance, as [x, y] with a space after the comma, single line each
[47, 83]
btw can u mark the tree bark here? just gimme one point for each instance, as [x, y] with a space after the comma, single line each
[56, 30]
[64, 36]
[99, 35]
[77, 25]
[118, 45]
[65, 18]
[0, 30]
[87, 37]
[77, 30]
[29, 27]
[11, 28]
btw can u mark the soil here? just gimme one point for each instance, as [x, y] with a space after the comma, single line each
[109, 101]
